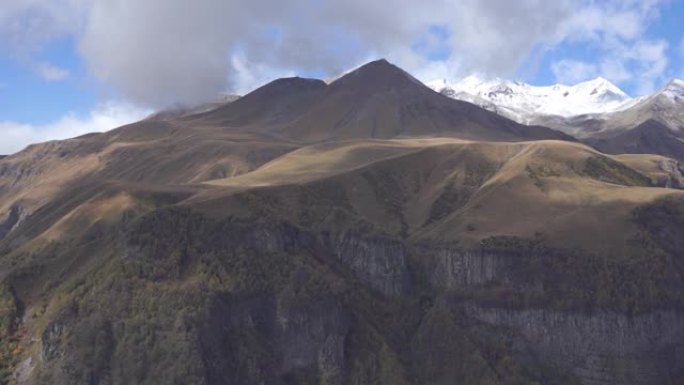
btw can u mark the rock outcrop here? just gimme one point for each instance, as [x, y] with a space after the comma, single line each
[12, 220]
[600, 347]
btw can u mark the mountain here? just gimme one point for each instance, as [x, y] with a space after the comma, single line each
[664, 106]
[526, 103]
[652, 124]
[649, 137]
[596, 112]
[366, 231]
[377, 100]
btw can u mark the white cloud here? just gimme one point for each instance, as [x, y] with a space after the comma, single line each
[51, 73]
[162, 52]
[650, 58]
[615, 70]
[616, 30]
[172, 51]
[680, 74]
[27, 25]
[15, 136]
[248, 75]
[641, 63]
[573, 71]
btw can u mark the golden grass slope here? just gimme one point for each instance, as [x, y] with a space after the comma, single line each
[152, 153]
[454, 190]
[324, 160]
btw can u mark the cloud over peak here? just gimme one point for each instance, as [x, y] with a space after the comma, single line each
[106, 116]
[162, 52]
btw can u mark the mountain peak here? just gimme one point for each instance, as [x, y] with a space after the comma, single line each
[378, 75]
[674, 90]
[600, 80]
[675, 85]
[600, 86]
[381, 61]
[276, 101]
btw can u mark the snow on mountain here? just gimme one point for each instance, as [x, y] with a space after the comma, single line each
[674, 91]
[524, 102]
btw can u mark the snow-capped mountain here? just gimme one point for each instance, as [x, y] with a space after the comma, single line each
[665, 106]
[654, 124]
[674, 91]
[525, 103]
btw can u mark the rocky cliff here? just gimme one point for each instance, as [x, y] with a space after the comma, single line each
[279, 304]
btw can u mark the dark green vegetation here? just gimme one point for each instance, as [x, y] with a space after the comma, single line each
[538, 173]
[608, 170]
[234, 247]
[640, 280]
[197, 300]
[189, 299]
[9, 348]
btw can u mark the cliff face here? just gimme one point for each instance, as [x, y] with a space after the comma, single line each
[278, 304]
[256, 339]
[675, 173]
[595, 346]
[381, 264]
[459, 269]
[600, 347]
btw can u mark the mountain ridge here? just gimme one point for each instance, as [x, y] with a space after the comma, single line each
[376, 100]
[523, 101]
[595, 112]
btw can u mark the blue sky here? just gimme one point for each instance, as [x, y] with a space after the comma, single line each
[74, 66]
[27, 96]
[668, 27]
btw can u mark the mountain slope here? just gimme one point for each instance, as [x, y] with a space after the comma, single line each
[654, 124]
[664, 106]
[649, 137]
[322, 251]
[377, 100]
[536, 178]
[277, 102]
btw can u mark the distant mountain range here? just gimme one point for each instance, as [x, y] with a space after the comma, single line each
[525, 103]
[596, 112]
[531, 104]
